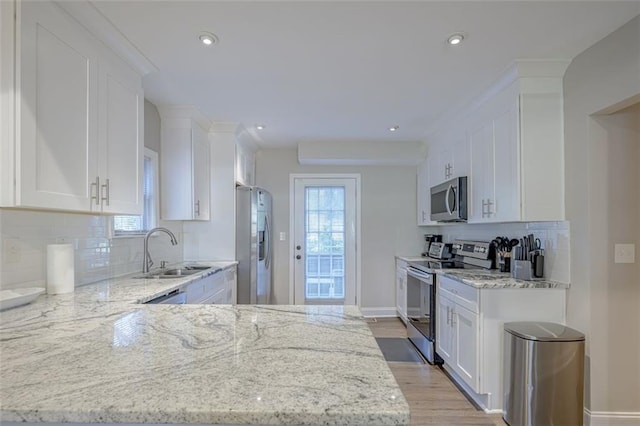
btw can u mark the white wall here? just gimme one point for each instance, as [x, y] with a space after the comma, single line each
[601, 161]
[388, 221]
[98, 255]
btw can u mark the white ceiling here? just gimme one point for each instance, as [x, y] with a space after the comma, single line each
[347, 70]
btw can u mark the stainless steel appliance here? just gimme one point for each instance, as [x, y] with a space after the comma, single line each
[421, 311]
[253, 245]
[428, 239]
[421, 287]
[480, 254]
[449, 201]
[440, 250]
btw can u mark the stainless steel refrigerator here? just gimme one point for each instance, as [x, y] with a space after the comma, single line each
[253, 244]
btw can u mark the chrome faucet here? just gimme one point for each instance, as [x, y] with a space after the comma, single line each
[147, 262]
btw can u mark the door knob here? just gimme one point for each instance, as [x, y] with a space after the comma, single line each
[298, 247]
[298, 257]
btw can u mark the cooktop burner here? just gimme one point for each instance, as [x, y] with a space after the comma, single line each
[430, 264]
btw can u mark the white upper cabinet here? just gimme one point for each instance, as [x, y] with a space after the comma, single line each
[449, 157]
[185, 165]
[245, 165]
[423, 188]
[510, 143]
[78, 137]
[121, 139]
[517, 164]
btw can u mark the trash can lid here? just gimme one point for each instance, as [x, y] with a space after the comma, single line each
[543, 331]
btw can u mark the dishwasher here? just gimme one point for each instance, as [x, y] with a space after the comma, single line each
[175, 297]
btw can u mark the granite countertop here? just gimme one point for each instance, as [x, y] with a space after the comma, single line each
[488, 278]
[415, 258]
[97, 356]
[494, 279]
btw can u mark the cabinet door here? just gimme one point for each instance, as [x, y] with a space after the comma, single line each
[121, 144]
[201, 175]
[245, 166]
[506, 205]
[230, 276]
[197, 290]
[56, 154]
[445, 162]
[465, 324]
[460, 156]
[401, 291]
[482, 178]
[444, 330]
[176, 202]
[423, 194]
[434, 166]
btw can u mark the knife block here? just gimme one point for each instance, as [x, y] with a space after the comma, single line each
[522, 270]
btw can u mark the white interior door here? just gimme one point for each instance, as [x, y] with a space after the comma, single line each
[324, 241]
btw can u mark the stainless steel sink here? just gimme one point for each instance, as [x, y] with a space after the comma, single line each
[172, 273]
[178, 272]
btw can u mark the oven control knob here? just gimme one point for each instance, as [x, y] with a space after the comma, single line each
[482, 249]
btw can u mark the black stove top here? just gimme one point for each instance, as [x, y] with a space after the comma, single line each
[430, 264]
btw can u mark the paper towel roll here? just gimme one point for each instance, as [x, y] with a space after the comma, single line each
[60, 273]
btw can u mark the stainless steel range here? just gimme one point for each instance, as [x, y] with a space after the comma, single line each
[421, 287]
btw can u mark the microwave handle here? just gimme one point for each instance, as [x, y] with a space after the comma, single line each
[446, 199]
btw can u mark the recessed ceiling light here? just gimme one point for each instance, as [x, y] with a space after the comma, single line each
[393, 128]
[455, 39]
[208, 39]
[260, 126]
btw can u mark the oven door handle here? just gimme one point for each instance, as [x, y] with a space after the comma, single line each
[428, 278]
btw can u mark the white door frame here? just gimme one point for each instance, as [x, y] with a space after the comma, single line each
[292, 179]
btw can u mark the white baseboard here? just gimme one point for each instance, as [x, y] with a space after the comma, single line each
[379, 312]
[611, 418]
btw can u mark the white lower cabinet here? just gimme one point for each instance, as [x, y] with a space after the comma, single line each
[401, 289]
[218, 289]
[457, 329]
[470, 327]
[465, 331]
[231, 279]
[444, 330]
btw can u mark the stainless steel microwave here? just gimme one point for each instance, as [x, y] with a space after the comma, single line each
[449, 201]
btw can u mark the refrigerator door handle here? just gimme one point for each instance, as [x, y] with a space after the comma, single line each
[267, 242]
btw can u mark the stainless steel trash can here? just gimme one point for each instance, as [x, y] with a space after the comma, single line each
[543, 374]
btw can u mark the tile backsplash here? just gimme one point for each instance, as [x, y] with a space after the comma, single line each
[98, 255]
[554, 238]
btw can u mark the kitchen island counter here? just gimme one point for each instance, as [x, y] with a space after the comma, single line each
[97, 356]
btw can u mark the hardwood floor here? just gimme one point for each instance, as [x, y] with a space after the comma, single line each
[432, 397]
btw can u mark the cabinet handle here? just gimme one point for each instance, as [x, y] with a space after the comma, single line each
[198, 208]
[453, 316]
[423, 216]
[95, 184]
[484, 204]
[489, 204]
[448, 311]
[106, 189]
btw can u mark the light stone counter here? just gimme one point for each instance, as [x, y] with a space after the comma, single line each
[415, 258]
[96, 356]
[487, 278]
[483, 278]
